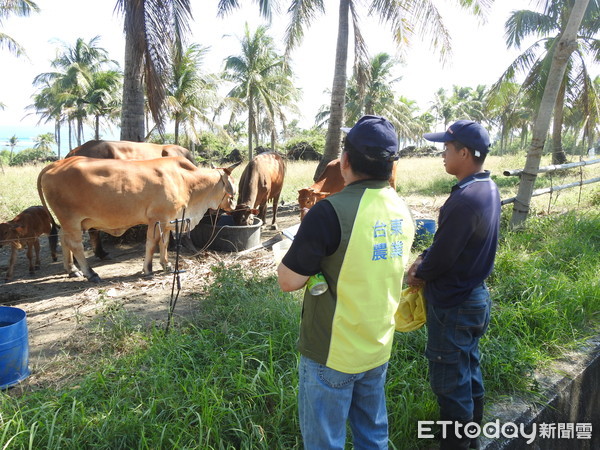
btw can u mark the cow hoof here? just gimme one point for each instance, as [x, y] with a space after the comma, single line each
[147, 275]
[95, 278]
[105, 257]
[76, 274]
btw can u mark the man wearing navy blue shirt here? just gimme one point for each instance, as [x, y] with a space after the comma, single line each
[453, 271]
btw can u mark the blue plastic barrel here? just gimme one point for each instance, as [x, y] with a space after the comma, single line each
[14, 346]
[424, 229]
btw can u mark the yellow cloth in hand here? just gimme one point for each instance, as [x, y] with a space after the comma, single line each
[411, 313]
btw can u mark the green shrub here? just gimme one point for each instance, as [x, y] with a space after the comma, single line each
[31, 155]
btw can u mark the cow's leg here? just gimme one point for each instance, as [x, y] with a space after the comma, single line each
[96, 244]
[53, 242]
[30, 256]
[152, 238]
[275, 206]
[73, 248]
[11, 263]
[262, 213]
[163, 245]
[36, 246]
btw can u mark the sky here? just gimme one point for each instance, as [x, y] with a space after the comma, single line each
[479, 52]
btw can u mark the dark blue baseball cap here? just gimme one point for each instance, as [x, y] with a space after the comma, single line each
[470, 133]
[374, 136]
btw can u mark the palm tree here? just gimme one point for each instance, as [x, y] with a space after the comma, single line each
[12, 142]
[22, 8]
[48, 104]
[154, 34]
[104, 97]
[72, 84]
[565, 46]
[191, 93]
[44, 143]
[376, 95]
[507, 109]
[261, 81]
[535, 61]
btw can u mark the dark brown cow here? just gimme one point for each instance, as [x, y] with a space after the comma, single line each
[25, 229]
[129, 150]
[113, 195]
[329, 182]
[124, 150]
[260, 182]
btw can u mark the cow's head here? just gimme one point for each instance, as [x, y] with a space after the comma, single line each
[243, 215]
[9, 234]
[307, 198]
[228, 202]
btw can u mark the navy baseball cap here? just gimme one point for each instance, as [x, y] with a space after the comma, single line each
[375, 136]
[470, 133]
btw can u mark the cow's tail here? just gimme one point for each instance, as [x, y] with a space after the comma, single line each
[53, 236]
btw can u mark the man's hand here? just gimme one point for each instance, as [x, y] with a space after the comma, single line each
[412, 279]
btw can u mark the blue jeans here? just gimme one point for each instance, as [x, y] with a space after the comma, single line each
[327, 399]
[453, 353]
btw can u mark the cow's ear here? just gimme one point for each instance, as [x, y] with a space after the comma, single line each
[229, 169]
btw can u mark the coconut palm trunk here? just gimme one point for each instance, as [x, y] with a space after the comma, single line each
[251, 128]
[566, 45]
[558, 154]
[338, 91]
[132, 114]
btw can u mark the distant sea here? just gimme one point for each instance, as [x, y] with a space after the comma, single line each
[26, 135]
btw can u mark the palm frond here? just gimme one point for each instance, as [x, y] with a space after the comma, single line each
[524, 23]
[302, 13]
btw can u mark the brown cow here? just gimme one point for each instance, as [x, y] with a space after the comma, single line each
[124, 150]
[129, 150]
[329, 182]
[260, 182]
[25, 229]
[113, 195]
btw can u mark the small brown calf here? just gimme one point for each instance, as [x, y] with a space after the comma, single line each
[25, 229]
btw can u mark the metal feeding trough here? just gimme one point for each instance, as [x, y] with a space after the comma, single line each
[224, 236]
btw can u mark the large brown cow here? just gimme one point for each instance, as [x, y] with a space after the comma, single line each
[129, 150]
[124, 150]
[260, 182]
[25, 229]
[114, 195]
[329, 182]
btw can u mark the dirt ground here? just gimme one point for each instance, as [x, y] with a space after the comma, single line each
[61, 310]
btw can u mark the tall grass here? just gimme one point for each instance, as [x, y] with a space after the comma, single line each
[228, 377]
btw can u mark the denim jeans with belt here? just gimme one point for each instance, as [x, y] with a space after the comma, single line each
[327, 399]
[453, 353]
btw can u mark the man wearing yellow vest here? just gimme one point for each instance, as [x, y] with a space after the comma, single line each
[360, 240]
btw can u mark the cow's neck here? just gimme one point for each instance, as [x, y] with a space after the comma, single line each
[206, 191]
